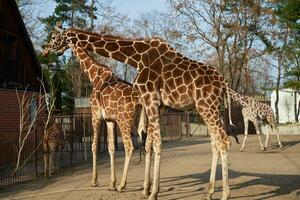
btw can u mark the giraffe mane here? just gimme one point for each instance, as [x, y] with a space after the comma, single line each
[116, 37]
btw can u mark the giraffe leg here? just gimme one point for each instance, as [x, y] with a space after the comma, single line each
[46, 163]
[211, 186]
[148, 150]
[277, 134]
[111, 149]
[220, 146]
[224, 158]
[54, 156]
[246, 123]
[128, 153]
[274, 131]
[50, 162]
[155, 141]
[96, 124]
[258, 131]
[157, 153]
[267, 139]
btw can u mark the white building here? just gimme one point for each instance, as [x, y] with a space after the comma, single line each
[285, 105]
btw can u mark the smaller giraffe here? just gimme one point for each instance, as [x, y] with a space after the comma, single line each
[54, 140]
[256, 112]
[112, 100]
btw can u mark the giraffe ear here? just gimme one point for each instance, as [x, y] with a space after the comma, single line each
[58, 27]
[59, 24]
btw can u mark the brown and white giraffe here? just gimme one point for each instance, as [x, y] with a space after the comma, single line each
[53, 141]
[165, 78]
[112, 100]
[255, 111]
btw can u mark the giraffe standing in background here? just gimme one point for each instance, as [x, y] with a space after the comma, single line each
[112, 100]
[53, 141]
[255, 111]
[165, 77]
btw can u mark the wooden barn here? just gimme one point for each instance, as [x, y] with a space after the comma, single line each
[19, 66]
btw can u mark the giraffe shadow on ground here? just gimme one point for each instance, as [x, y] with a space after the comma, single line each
[185, 143]
[289, 144]
[281, 184]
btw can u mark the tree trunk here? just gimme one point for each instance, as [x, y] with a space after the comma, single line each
[125, 72]
[295, 106]
[278, 79]
[92, 14]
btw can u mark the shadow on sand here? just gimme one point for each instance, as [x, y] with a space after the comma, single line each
[282, 184]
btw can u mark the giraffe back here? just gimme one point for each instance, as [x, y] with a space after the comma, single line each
[54, 138]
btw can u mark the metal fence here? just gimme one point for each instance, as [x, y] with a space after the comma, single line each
[79, 135]
[77, 151]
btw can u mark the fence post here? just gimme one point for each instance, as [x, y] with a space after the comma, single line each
[72, 139]
[187, 124]
[36, 152]
[170, 113]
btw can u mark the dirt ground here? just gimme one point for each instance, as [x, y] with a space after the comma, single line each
[274, 174]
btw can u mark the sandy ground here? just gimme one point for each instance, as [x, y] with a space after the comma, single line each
[274, 174]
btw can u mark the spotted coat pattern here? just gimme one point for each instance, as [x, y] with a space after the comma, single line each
[112, 100]
[165, 77]
[53, 141]
[256, 112]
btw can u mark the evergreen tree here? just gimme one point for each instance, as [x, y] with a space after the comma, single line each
[74, 14]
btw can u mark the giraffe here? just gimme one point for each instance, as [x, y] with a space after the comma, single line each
[255, 111]
[112, 100]
[165, 77]
[54, 140]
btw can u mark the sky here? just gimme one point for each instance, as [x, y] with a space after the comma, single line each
[135, 7]
[131, 7]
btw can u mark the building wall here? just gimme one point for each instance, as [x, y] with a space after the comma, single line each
[18, 65]
[285, 105]
[9, 110]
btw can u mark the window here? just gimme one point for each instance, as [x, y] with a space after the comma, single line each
[33, 108]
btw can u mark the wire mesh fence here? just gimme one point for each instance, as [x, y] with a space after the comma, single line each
[78, 148]
[78, 131]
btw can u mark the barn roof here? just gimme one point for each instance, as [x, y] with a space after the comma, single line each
[26, 37]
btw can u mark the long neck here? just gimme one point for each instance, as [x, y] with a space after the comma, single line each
[96, 72]
[238, 98]
[133, 52]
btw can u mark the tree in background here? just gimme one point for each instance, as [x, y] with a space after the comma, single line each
[226, 33]
[65, 76]
[246, 40]
[289, 14]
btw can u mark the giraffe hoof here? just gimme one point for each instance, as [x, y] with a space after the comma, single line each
[152, 197]
[264, 148]
[206, 197]
[280, 146]
[241, 150]
[95, 184]
[145, 193]
[112, 188]
[120, 188]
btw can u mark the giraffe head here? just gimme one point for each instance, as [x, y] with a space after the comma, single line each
[57, 43]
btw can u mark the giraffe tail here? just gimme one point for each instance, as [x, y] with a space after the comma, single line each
[142, 131]
[232, 128]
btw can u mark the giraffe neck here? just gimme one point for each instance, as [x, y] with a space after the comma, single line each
[133, 52]
[242, 100]
[96, 72]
